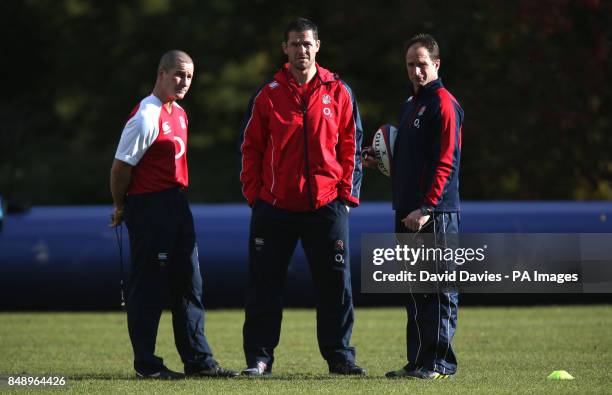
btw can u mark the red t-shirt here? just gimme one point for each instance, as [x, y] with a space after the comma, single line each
[154, 141]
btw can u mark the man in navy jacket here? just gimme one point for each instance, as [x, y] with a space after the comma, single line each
[425, 185]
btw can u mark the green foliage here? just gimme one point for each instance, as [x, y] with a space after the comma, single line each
[500, 350]
[531, 77]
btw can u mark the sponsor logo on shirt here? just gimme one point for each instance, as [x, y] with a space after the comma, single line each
[417, 121]
[166, 127]
[273, 84]
[181, 147]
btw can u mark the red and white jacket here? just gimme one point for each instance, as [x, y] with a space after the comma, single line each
[301, 154]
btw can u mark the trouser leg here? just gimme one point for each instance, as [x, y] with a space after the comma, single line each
[325, 242]
[272, 240]
[444, 359]
[146, 286]
[432, 320]
[186, 296]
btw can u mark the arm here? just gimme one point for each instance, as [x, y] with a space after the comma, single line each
[120, 176]
[349, 151]
[253, 148]
[137, 136]
[446, 148]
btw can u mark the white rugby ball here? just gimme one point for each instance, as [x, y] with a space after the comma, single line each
[382, 145]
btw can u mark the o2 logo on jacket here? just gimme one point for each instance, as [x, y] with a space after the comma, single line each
[327, 111]
[417, 122]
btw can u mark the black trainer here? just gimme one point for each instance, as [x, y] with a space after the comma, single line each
[213, 371]
[347, 368]
[163, 374]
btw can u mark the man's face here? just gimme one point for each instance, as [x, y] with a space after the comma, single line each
[176, 82]
[421, 68]
[301, 49]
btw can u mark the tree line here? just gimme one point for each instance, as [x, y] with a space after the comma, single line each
[531, 77]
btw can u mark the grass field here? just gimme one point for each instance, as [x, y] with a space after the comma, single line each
[500, 350]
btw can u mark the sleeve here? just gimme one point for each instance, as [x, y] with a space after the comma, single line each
[445, 149]
[138, 135]
[349, 151]
[253, 147]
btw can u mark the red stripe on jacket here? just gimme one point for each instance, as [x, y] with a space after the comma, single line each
[445, 164]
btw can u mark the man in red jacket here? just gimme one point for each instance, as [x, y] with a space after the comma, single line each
[301, 170]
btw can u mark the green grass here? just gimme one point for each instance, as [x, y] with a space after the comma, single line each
[500, 350]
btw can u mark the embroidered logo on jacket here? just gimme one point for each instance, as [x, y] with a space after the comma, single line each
[326, 99]
[417, 122]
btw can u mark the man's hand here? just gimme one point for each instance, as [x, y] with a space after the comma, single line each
[121, 174]
[116, 218]
[415, 220]
[368, 159]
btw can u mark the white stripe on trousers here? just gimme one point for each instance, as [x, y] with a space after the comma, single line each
[450, 312]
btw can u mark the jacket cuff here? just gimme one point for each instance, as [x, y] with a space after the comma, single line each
[427, 209]
[351, 200]
[251, 201]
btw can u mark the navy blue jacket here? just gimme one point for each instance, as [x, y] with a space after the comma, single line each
[427, 151]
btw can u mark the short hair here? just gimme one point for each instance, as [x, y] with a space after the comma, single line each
[173, 58]
[301, 25]
[427, 41]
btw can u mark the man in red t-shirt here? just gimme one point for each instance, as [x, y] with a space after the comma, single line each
[147, 178]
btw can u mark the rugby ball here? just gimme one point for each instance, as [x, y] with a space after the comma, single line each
[382, 145]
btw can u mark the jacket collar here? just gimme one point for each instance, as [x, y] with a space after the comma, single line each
[324, 75]
[429, 88]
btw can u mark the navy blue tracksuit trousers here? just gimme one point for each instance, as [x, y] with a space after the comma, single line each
[432, 318]
[164, 263]
[273, 237]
